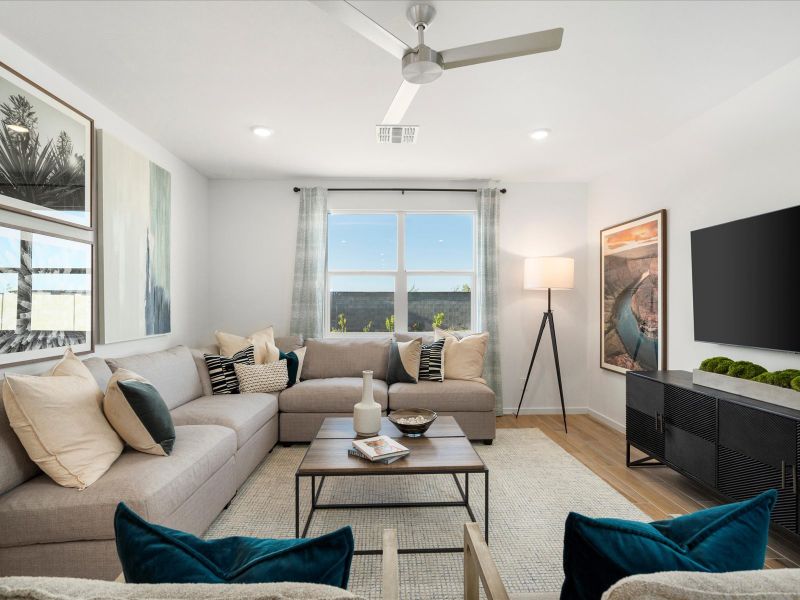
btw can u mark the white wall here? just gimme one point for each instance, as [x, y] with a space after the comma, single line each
[737, 160]
[189, 280]
[254, 226]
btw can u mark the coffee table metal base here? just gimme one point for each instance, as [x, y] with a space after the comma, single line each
[316, 490]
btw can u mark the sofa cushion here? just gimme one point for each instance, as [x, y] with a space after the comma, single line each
[346, 358]
[41, 511]
[289, 343]
[68, 588]
[151, 553]
[336, 394]
[16, 467]
[172, 372]
[445, 396]
[100, 371]
[244, 413]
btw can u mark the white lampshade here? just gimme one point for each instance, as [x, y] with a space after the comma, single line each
[549, 272]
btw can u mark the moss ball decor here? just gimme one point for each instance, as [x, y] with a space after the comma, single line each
[744, 369]
[796, 384]
[711, 364]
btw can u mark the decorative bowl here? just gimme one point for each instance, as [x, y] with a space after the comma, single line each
[421, 418]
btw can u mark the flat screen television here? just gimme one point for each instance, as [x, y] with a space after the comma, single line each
[746, 281]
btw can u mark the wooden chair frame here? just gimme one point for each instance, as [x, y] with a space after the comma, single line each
[479, 568]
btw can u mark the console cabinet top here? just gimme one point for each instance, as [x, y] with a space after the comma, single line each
[683, 379]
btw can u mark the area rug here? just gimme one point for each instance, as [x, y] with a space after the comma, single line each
[534, 484]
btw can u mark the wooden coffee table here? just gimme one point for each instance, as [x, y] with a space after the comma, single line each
[443, 450]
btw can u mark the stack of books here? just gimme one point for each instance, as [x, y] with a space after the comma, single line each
[378, 449]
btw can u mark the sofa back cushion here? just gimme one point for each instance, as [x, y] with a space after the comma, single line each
[346, 358]
[15, 465]
[100, 371]
[172, 372]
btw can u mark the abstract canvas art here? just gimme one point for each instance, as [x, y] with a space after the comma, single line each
[45, 295]
[135, 208]
[45, 153]
[633, 288]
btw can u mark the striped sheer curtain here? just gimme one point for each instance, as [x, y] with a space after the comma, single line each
[308, 295]
[488, 223]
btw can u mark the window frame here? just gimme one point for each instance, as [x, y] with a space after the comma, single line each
[401, 275]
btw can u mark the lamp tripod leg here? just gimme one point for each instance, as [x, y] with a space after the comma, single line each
[558, 369]
[533, 358]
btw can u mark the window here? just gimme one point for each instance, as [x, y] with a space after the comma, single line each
[397, 271]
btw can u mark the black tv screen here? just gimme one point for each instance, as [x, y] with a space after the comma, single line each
[746, 281]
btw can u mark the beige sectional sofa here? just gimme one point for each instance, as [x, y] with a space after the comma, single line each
[51, 530]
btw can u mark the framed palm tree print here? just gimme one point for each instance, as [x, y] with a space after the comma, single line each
[46, 152]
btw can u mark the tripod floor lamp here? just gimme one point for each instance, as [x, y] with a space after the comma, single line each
[548, 273]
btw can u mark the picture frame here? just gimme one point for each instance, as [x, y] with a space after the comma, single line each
[46, 154]
[47, 295]
[633, 294]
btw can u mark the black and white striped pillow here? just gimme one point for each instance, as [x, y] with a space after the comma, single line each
[222, 373]
[431, 361]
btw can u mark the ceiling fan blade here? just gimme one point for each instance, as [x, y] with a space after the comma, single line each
[519, 45]
[402, 100]
[361, 23]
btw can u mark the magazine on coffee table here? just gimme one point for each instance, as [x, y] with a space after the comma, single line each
[380, 448]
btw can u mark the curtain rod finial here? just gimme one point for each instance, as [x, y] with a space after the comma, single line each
[503, 190]
[295, 189]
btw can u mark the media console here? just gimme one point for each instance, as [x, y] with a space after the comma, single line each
[736, 445]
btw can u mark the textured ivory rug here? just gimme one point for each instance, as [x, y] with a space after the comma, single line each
[533, 484]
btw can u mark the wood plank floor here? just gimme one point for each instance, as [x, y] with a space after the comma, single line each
[658, 491]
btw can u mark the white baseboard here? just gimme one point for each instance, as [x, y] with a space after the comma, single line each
[606, 420]
[546, 410]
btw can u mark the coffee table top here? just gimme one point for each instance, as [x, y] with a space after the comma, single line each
[440, 452]
[342, 428]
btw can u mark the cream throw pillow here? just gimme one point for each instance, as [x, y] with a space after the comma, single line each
[263, 343]
[463, 355]
[60, 423]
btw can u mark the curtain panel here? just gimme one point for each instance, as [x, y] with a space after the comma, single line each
[308, 294]
[487, 276]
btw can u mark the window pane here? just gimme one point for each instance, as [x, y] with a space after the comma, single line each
[361, 303]
[439, 301]
[362, 242]
[439, 242]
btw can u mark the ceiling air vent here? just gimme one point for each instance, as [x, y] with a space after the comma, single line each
[396, 134]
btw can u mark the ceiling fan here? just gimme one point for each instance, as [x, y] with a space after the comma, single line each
[422, 64]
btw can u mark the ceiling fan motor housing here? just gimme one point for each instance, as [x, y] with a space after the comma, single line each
[422, 65]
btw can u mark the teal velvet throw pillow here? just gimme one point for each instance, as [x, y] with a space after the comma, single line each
[292, 364]
[155, 554]
[600, 552]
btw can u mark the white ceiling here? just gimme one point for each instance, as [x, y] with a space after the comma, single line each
[196, 75]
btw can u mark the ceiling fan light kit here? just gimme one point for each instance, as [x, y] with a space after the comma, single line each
[422, 65]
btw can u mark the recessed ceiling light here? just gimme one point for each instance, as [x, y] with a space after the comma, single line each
[261, 131]
[540, 134]
[17, 128]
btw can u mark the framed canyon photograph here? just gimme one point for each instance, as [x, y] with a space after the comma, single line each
[46, 151]
[46, 289]
[634, 292]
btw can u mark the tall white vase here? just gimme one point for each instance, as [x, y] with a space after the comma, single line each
[367, 413]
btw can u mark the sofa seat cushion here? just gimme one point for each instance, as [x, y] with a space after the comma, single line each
[67, 588]
[41, 511]
[336, 394]
[244, 413]
[445, 396]
[172, 372]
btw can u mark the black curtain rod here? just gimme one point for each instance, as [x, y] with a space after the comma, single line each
[401, 190]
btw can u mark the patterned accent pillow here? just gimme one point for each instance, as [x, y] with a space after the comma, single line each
[404, 360]
[431, 361]
[221, 371]
[271, 377]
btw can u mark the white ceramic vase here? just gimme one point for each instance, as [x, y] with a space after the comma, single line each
[367, 413]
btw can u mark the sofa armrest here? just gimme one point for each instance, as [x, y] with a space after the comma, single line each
[480, 568]
[390, 566]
